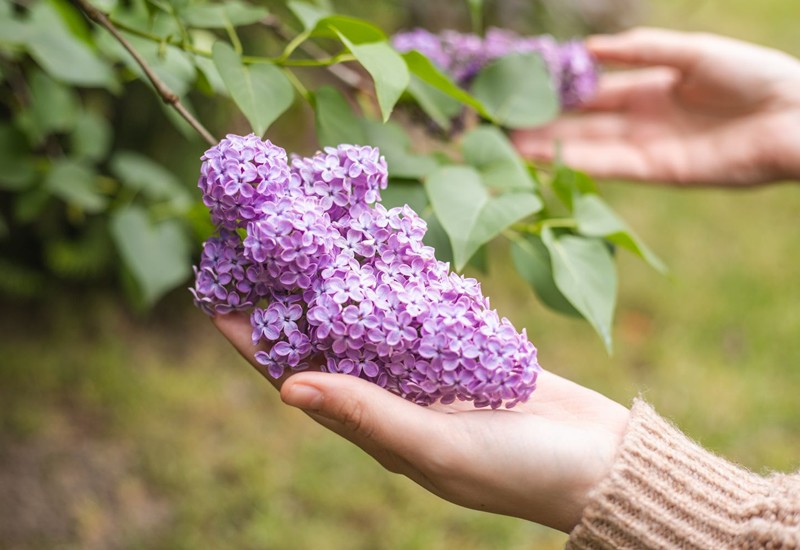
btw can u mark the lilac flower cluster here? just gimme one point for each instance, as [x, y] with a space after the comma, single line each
[462, 56]
[335, 279]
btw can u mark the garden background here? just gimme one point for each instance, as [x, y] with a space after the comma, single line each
[122, 428]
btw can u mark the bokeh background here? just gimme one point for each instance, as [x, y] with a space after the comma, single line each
[125, 429]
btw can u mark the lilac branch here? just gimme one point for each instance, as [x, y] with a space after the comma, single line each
[167, 95]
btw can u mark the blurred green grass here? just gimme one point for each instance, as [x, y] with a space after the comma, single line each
[118, 431]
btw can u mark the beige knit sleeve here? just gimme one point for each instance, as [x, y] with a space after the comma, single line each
[665, 491]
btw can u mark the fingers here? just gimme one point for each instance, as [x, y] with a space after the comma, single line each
[609, 159]
[366, 414]
[618, 91]
[647, 46]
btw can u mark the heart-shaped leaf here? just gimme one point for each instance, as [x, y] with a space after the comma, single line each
[336, 122]
[422, 67]
[533, 263]
[385, 66]
[76, 184]
[395, 145]
[261, 91]
[584, 272]
[469, 213]
[61, 54]
[491, 153]
[157, 255]
[517, 91]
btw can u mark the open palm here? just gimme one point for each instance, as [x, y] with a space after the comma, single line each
[537, 461]
[704, 110]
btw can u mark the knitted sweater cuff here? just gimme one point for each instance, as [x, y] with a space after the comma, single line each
[665, 491]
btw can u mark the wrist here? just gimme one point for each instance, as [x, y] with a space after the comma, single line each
[601, 452]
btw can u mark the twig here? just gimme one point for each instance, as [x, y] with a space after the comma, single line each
[345, 74]
[167, 95]
[246, 59]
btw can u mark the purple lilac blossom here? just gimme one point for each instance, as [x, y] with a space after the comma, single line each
[333, 278]
[572, 69]
[238, 175]
[225, 280]
[578, 75]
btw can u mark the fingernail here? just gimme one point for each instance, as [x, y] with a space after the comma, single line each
[303, 397]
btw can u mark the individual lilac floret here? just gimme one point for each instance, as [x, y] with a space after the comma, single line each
[238, 175]
[578, 75]
[225, 280]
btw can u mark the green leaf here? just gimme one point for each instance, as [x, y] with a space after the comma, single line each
[400, 193]
[61, 54]
[568, 184]
[91, 137]
[440, 107]
[76, 184]
[261, 91]
[387, 68]
[55, 107]
[16, 163]
[3, 228]
[156, 254]
[532, 261]
[470, 215]
[480, 260]
[437, 238]
[336, 123]
[422, 67]
[155, 182]
[214, 83]
[308, 14]
[219, 16]
[13, 31]
[73, 19]
[356, 30]
[106, 5]
[517, 91]
[596, 219]
[490, 152]
[394, 144]
[584, 272]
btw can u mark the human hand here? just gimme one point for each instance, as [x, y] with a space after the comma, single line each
[698, 109]
[537, 461]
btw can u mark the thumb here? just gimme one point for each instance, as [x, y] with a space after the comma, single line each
[364, 413]
[647, 46]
